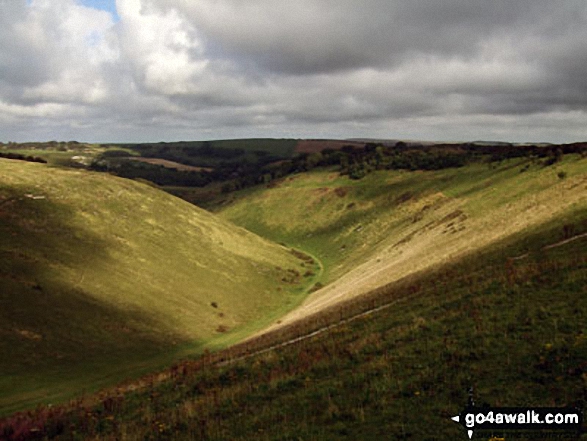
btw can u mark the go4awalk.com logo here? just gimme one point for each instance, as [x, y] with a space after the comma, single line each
[549, 422]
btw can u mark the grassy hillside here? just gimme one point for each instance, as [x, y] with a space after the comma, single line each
[376, 230]
[72, 154]
[508, 322]
[102, 278]
[479, 273]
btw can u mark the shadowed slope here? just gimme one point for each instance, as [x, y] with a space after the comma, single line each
[512, 330]
[101, 276]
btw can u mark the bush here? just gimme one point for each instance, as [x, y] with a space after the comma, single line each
[20, 157]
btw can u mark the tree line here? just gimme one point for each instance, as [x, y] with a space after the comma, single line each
[18, 156]
[236, 168]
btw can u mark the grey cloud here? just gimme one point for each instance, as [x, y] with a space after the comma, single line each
[173, 69]
[40, 52]
[23, 61]
[311, 36]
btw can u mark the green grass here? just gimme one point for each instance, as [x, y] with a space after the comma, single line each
[103, 279]
[84, 154]
[436, 243]
[390, 224]
[513, 330]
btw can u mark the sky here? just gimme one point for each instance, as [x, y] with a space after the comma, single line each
[104, 5]
[169, 70]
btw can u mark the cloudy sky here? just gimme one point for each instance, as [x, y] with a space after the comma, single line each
[162, 70]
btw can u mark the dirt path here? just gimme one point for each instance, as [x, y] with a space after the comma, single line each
[552, 245]
[358, 316]
[562, 242]
[311, 334]
[165, 375]
[318, 261]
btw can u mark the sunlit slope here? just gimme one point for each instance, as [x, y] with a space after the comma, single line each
[393, 223]
[100, 274]
[512, 331]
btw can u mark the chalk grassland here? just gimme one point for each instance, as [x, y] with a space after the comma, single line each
[391, 224]
[113, 260]
[512, 329]
[104, 278]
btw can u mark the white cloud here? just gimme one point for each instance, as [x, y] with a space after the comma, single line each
[55, 51]
[161, 47]
[173, 69]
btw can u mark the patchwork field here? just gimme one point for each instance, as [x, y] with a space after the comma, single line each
[171, 164]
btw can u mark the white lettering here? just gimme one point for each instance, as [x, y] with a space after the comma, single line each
[470, 419]
[536, 418]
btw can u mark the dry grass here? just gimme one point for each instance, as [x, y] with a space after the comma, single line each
[171, 164]
[101, 277]
[393, 224]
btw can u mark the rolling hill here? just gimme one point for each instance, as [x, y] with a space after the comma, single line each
[391, 224]
[506, 322]
[424, 285]
[103, 278]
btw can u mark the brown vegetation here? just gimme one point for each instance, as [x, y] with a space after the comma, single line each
[171, 164]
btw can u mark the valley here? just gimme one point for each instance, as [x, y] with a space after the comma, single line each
[103, 278]
[328, 301]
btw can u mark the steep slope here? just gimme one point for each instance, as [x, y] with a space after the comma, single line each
[392, 223]
[101, 278]
[511, 330]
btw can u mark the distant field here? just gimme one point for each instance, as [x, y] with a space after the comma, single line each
[171, 164]
[103, 278]
[63, 155]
